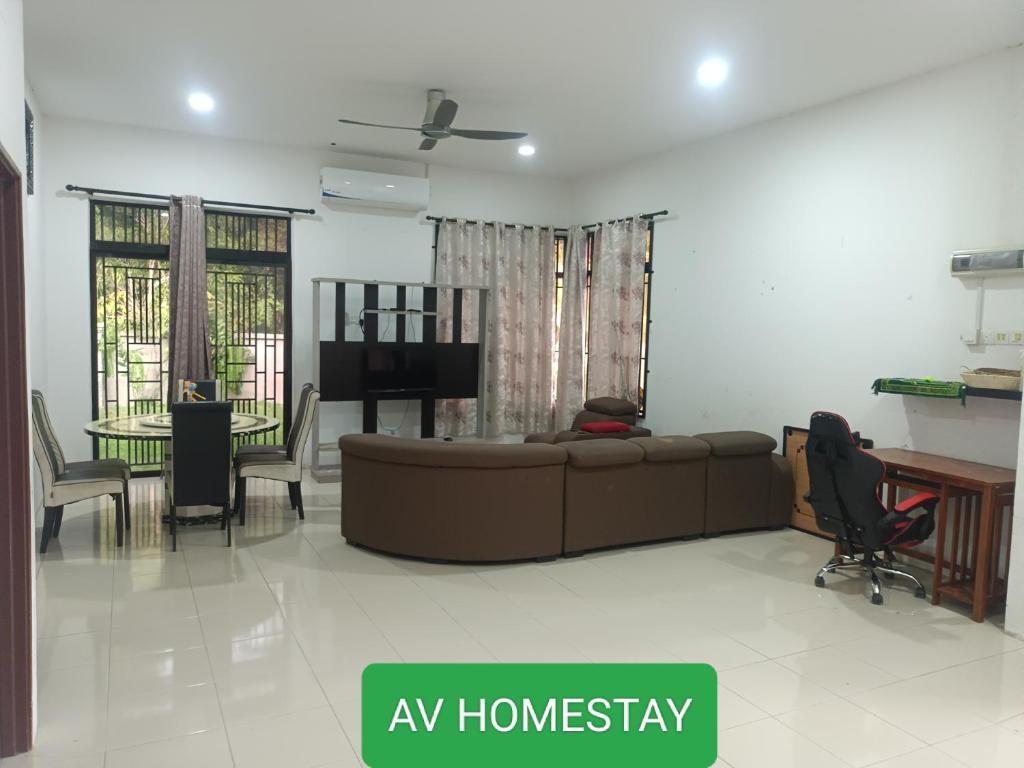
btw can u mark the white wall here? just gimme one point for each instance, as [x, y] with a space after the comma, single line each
[807, 256]
[12, 82]
[1015, 578]
[335, 243]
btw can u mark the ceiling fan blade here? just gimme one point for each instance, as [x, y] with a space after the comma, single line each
[379, 125]
[487, 135]
[445, 113]
[428, 143]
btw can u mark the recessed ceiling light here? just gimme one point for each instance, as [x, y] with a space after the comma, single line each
[201, 102]
[526, 150]
[713, 72]
[390, 186]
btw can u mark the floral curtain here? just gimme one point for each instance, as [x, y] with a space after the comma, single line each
[616, 309]
[571, 331]
[517, 264]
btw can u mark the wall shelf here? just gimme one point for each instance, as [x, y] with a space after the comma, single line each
[996, 394]
[967, 392]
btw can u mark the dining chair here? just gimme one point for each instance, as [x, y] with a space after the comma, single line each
[68, 482]
[107, 465]
[200, 472]
[284, 466]
[250, 449]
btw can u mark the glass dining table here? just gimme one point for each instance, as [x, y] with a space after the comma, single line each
[157, 426]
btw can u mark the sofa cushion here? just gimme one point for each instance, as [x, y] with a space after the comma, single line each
[602, 453]
[672, 448]
[610, 406]
[604, 426]
[438, 453]
[739, 443]
[541, 437]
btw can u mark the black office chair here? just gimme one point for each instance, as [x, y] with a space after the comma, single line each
[200, 473]
[845, 496]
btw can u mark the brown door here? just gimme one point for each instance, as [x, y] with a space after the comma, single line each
[15, 503]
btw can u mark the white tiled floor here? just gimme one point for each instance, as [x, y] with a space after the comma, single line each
[252, 656]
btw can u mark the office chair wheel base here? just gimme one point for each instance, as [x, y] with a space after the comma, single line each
[819, 581]
[919, 592]
[876, 599]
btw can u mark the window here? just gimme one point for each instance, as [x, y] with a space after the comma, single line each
[561, 244]
[249, 285]
[30, 150]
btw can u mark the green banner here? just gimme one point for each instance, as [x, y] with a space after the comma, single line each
[518, 715]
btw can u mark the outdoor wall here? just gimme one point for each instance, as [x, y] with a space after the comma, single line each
[337, 242]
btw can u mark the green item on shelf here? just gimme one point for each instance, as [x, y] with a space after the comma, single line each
[923, 387]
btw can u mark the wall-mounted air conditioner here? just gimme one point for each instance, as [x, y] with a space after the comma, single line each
[374, 190]
[988, 263]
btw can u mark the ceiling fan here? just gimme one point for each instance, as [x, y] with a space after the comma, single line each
[437, 123]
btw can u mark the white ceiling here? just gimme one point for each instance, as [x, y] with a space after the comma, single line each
[594, 82]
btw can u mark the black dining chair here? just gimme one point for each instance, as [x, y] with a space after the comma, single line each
[200, 472]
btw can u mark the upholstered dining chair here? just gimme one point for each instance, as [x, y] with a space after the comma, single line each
[263, 450]
[200, 473]
[287, 466]
[67, 482]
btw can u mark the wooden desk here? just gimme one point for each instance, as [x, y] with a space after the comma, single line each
[978, 583]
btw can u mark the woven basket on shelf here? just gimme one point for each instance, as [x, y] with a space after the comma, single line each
[991, 378]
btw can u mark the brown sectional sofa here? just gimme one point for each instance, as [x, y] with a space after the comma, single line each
[645, 489]
[480, 502]
[452, 501]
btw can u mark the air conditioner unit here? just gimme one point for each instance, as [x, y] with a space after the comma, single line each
[988, 263]
[374, 190]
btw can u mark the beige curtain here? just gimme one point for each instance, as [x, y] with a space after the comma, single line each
[571, 331]
[189, 321]
[616, 309]
[517, 264]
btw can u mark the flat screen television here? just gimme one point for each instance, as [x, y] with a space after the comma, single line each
[390, 369]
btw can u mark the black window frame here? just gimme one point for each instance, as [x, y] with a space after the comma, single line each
[561, 248]
[560, 251]
[30, 151]
[148, 238]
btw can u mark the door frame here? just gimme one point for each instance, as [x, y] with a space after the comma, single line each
[16, 518]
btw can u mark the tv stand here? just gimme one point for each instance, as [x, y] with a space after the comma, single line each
[340, 367]
[426, 411]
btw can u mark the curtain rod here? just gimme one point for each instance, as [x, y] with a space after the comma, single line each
[216, 203]
[647, 216]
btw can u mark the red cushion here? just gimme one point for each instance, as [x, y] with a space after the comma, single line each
[605, 426]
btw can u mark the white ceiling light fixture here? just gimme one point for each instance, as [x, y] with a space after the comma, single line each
[713, 72]
[201, 102]
[527, 150]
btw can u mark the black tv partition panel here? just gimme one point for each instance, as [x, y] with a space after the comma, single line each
[357, 370]
[399, 369]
